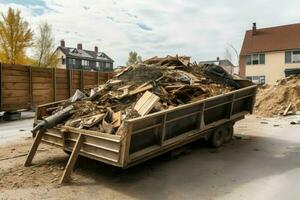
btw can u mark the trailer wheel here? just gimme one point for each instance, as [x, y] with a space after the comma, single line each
[217, 137]
[228, 133]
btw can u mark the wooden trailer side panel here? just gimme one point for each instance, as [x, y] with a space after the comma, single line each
[156, 133]
[151, 135]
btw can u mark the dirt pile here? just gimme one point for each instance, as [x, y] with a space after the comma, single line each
[151, 86]
[280, 99]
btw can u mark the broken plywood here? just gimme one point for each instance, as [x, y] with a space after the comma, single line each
[146, 103]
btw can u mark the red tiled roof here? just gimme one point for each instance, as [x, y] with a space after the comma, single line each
[272, 39]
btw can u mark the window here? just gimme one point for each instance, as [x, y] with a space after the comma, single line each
[107, 65]
[292, 56]
[257, 79]
[255, 59]
[84, 62]
[63, 60]
[72, 61]
[248, 60]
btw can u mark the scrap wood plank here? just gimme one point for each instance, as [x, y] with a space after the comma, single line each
[171, 87]
[72, 160]
[143, 85]
[34, 147]
[116, 118]
[146, 103]
[139, 90]
[287, 109]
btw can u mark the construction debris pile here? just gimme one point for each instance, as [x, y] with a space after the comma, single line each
[283, 98]
[151, 86]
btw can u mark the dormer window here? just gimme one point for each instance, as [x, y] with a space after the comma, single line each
[75, 51]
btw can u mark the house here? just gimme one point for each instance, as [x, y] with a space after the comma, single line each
[269, 54]
[78, 58]
[225, 63]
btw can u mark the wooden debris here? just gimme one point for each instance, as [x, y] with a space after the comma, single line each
[287, 109]
[106, 127]
[122, 130]
[114, 82]
[146, 103]
[151, 86]
[125, 70]
[139, 90]
[175, 67]
[192, 77]
[73, 122]
[125, 90]
[172, 87]
[91, 121]
[116, 119]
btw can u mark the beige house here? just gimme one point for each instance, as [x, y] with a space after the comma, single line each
[269, 54]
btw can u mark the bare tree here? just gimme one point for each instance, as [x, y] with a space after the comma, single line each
[44, 47]
[228, 55]
[235, 51]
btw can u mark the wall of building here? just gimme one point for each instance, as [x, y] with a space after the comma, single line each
[242, 65]
[273, 69]
[61, 56]
[228, 68]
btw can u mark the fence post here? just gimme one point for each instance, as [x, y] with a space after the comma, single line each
[97, 78]
[54, 83]
[1, 85]
[81, 80]
[30, 88]
[70, 81]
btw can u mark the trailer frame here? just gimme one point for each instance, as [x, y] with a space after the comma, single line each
[149, 136]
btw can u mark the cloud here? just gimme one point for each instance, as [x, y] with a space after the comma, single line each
[144, 26]
[201, 29]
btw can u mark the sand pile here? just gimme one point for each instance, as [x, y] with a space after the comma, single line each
[283, 98]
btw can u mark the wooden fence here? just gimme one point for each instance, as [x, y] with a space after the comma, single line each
[24, 87]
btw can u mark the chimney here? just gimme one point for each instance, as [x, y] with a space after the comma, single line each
[79, 46]
[96, 49]
[62, 43]
[254, 29]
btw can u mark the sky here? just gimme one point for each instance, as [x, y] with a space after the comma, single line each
[198, 28]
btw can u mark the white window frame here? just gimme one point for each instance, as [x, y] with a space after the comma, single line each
[84, 62]
[72, 61]
[292, 57]
[258, 59]
[107, 65]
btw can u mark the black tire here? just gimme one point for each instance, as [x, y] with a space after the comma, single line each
[217, 137]
[228, 133]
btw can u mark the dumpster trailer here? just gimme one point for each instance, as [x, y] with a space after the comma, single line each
[154, 134]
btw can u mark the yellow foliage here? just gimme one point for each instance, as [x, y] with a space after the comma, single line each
[15, 37]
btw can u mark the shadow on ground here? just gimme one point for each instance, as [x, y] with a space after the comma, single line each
[201, 171]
